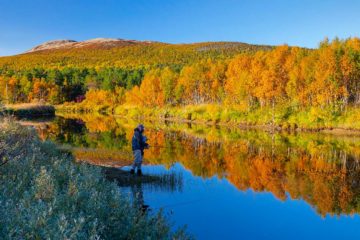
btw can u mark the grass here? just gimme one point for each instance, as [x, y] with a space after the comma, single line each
[169, 181]
[284, 116]
[28, 110]
[46, 195]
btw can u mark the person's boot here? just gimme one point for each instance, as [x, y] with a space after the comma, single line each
[139, 173]
[132, 171]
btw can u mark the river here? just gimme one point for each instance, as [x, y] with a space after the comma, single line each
[231, 183]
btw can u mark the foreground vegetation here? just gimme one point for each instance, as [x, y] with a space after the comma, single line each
[45, 195]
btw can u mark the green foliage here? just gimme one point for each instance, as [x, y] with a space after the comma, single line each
[45, 195]
[66, 84]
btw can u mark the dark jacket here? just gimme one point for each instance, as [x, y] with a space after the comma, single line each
[137, 141]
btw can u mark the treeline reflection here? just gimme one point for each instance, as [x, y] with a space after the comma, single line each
[322, 169]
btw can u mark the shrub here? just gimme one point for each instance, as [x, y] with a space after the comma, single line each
[46, 195]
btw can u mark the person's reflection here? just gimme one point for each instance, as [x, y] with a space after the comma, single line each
[138, 198]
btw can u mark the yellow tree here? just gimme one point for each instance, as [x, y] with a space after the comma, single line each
[201, 82]
[133, 97]
[350, 68]
[151, 90]
[12, 90]
[40, 89]
[3, 89]
[217, 76]
[327, 85]
[188, 85]
[274, 79]
[237, 84]
[168, 81]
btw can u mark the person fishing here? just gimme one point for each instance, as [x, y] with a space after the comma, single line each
[138, 143]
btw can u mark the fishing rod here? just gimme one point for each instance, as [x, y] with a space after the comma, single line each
[164, 147]
[156, 146]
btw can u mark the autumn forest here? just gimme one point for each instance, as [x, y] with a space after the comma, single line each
[322, 81]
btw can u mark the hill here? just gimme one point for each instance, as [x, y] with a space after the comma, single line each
[101, 43]
[105, 52]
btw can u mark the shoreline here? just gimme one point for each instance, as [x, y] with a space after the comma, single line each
[264, 127]
[28, 110]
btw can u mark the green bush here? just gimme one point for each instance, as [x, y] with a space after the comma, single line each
[46, 195]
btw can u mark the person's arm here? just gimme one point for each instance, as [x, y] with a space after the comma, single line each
[144, 145]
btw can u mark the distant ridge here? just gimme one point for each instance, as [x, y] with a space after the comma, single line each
[122, 53]
[96, 42]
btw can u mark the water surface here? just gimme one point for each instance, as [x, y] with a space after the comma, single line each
[234, 184]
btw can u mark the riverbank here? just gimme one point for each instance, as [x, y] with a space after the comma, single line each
[28, 110]
[280, 118]
[46, 195]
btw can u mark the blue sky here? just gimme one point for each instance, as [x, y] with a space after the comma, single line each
[24, 24]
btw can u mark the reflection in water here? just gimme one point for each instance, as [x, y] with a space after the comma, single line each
[169, 181]
[321, 169]
[138, 197]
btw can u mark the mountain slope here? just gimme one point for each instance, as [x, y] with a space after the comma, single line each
[101, 43]
[103, 52]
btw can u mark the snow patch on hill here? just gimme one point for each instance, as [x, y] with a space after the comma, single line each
[53, 45]
[96, 42]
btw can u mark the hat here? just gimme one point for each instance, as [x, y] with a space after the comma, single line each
[141, 127]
